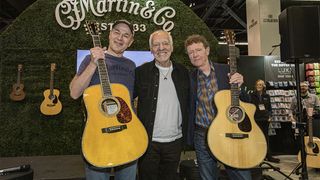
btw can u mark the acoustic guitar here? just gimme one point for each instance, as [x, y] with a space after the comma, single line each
[234, 137]
[17, 93]
[312, 144]
[113, 134]
[51, 104]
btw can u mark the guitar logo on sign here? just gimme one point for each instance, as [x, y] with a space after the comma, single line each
[51, 104]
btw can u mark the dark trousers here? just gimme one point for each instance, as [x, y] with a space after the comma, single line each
[161, 161]
[264, 126]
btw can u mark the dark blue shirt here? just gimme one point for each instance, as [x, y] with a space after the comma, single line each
[120, 70]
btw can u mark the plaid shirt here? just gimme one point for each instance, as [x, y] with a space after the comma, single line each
[207, 87]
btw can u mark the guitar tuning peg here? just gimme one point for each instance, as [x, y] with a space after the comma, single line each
[85, 25]
[87, 32]
[99, 33]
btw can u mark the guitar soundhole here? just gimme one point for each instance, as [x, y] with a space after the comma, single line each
[109, 106]
[124, 116]
[235, 114]
[53, 98]
[18, 88]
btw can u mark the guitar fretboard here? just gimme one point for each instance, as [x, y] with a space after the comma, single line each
[19, 76]
[51, 83]
[233, 69]
[103, 71]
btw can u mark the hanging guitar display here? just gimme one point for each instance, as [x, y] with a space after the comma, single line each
[17, 93]
[312, 144]
[234, 137]
[113, 134]
[51, 104]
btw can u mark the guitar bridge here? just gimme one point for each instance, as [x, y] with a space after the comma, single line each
[114, 129]
[237, 135]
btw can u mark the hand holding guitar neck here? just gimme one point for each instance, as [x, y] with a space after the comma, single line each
[233, 136]
[111, 120]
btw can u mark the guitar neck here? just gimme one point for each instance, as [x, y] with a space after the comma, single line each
[96, 41]
[19, 74]
[233, 69]
[103, 70]
[310, 129]
[19, 78]
[51, 83]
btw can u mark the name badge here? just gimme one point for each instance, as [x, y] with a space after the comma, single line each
[261, 107]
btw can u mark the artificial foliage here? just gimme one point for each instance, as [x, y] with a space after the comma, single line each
[35, 40]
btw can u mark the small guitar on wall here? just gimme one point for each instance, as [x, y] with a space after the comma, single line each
[17, 93]
[51, 105]
[312, 144]
[234, 138]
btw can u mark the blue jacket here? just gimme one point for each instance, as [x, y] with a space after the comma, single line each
[221, 71]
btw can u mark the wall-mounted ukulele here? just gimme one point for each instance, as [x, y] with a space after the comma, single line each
[17, 93]
[51, 105]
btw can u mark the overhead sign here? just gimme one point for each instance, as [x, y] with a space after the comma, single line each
[70, 13]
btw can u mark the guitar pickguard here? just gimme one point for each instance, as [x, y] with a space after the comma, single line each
[124, 116]
[245, 125]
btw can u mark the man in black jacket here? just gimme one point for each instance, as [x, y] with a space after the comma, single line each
[162, 88]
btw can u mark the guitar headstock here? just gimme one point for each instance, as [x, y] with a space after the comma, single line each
[230, 36]
[53, 67]
[19, 67]
[92, 27]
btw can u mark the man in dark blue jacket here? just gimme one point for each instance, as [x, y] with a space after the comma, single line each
[206, 80]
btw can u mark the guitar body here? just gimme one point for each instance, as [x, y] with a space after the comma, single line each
[113, 134]
[236, 144]
[51, 105]
[17, 93]
[312, 153]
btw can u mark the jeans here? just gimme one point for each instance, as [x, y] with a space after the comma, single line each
[126, 172]
[208, 166]
[161, 161]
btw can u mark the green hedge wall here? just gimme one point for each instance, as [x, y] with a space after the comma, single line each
[35, 39]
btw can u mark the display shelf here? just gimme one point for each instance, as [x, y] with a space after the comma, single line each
[313, 77]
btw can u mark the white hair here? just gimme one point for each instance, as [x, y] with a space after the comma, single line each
[157, 32]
